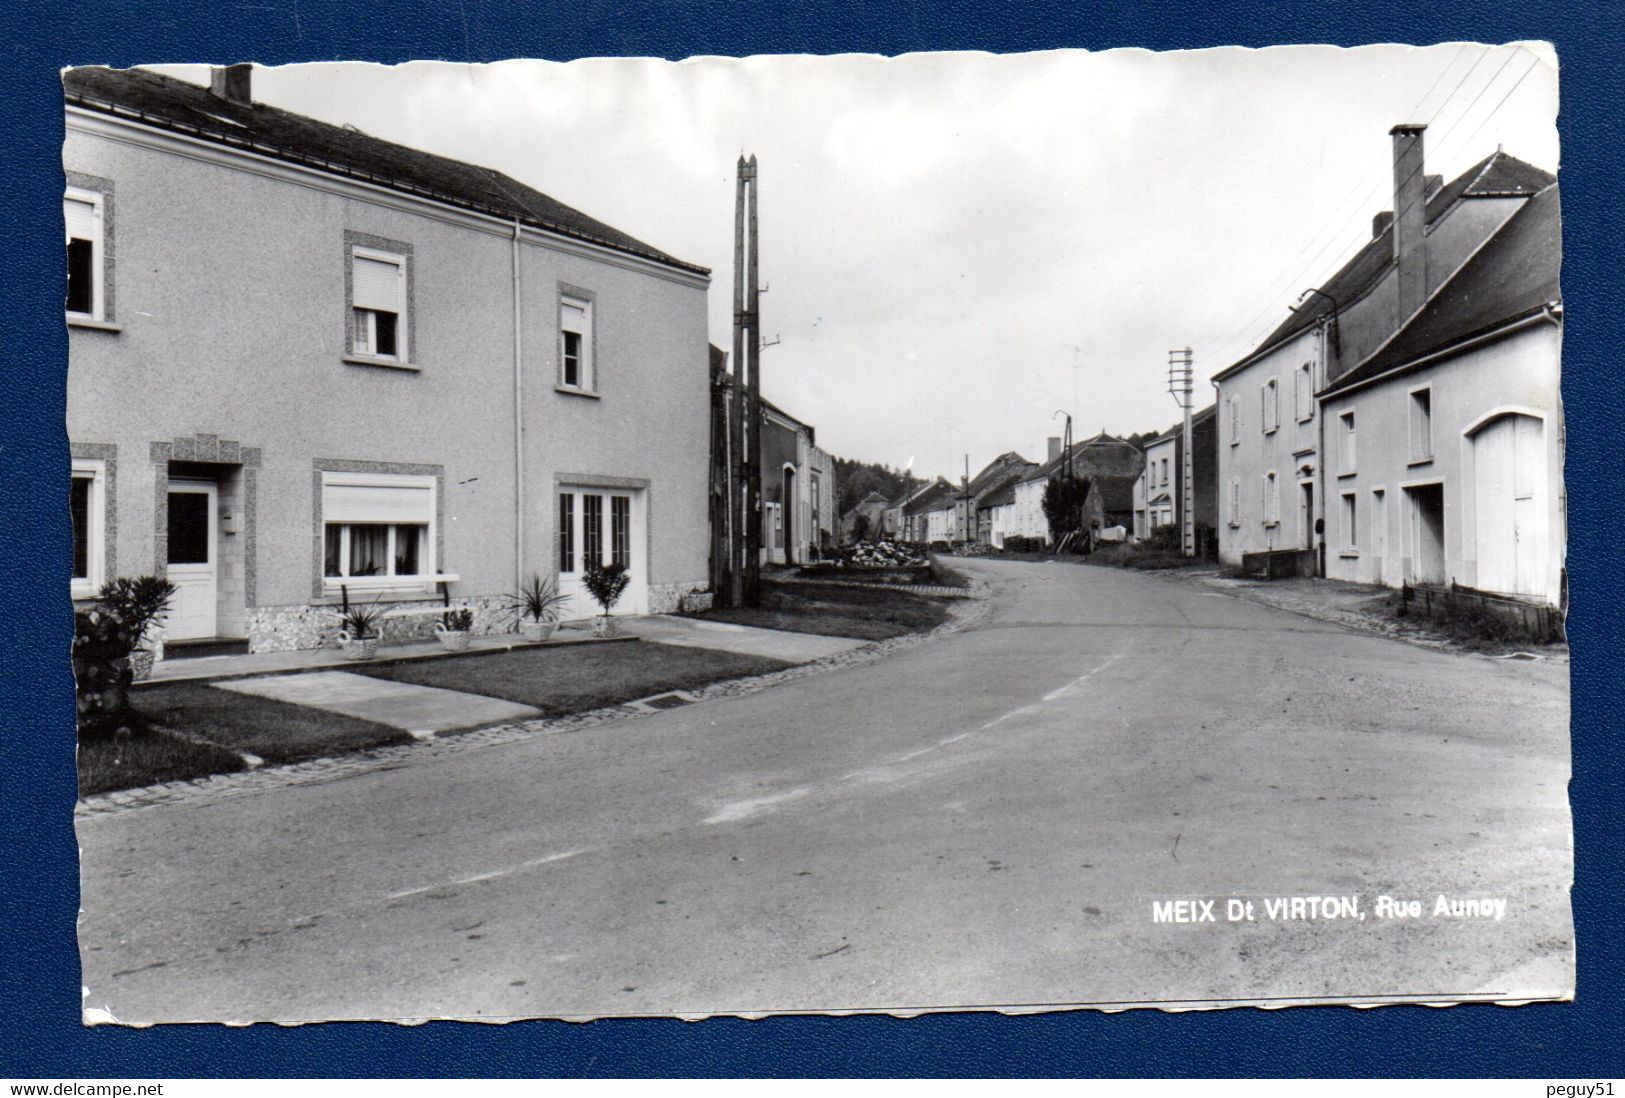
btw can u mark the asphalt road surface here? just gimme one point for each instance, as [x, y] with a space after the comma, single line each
[988, 820]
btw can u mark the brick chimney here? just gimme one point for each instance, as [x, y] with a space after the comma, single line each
[1410, 216]
[233, 83]
[1054, 449]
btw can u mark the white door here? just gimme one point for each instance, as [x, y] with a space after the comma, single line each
[603, 525]
[1379, 534]
[1508, 464]
[192, 564]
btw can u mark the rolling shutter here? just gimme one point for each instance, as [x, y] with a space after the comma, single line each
[376, 284]
[343, 502]
[81, 218]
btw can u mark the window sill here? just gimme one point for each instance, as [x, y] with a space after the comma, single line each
[92, 325]
[387, 363]
[1271, 430]
[1271, 525]
[1413, 462]
[1350, 473]
[1349, 554]
[569, 390]
[1304, 419]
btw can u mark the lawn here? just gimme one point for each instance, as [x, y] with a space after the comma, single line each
[572, 680]
[191, 730]
[866, 613]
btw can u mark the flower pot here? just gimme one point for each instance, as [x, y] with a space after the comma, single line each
[358, 648]
[536, 631]
[141, 661]
[606, 626]
[452, 640]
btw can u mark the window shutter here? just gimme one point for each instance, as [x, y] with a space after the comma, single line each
[572, 317]
[81, 218]
[376, 284]
[377, 503]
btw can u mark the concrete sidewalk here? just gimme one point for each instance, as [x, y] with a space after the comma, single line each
[420, 710]
[741, 639]
[204, 668]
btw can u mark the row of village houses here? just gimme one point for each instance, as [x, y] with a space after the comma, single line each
[309, 365]
[1403, 425]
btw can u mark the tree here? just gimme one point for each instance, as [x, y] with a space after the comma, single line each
[1063, 504]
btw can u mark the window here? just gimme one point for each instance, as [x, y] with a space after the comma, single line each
[1305, 395]
[1271, 502]
[83, 212]
[87, 510]
[567, 531]
[1351, 537]
[1345, 443]
[1421, 425]
[377, 530]
[378, 304]
[620, 530]
[1235, 501]
[592, 528]
[1164, 470]
[1271, 412]
[575, 344]
[1235, 421]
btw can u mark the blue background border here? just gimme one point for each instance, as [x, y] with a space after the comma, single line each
[40, 1034]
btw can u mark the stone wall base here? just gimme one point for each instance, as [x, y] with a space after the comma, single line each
[291, 628]
[668, 598]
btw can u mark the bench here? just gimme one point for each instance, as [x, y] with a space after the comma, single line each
[441, 581]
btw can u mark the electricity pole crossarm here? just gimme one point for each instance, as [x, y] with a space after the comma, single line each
[1180, 383]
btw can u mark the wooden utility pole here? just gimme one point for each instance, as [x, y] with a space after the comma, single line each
[1180, 374]
[736, 415]
[747, 425]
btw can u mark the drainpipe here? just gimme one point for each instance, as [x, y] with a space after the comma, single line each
[518, 425]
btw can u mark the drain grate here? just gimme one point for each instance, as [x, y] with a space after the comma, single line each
[666, 701]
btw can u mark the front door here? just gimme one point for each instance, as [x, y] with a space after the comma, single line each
[602, 525]
[1508, 466]
[192, 561]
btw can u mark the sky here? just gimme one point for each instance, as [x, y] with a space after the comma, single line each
[956, 246]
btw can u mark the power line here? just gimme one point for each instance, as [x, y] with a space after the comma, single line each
[1277, 285]
[1255, 333]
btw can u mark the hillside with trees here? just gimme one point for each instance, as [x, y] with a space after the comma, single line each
[856, 479]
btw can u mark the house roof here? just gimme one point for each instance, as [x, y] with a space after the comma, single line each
[1116, 492]
[994, 473]
[1003, 496]
[1498, 175]
[938, 495]
[1515, 274]
[167, 103]
[1048, 469]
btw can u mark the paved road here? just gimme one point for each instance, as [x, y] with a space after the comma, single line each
[984, 820]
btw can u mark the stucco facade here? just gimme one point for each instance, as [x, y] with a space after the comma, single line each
[1425, 505]
[231, 362]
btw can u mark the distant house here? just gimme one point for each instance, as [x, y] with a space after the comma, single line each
[1101, 456]
[929, 512]
[893, 520]
[1159, 492]
[968, 523]
[998, 513]
[1458, 472]
[798, 490]
[1277, 489]
[863, 519]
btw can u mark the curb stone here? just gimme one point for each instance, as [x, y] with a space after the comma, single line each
[970, 609]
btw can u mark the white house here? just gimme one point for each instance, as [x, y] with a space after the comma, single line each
[1271, 468]
[306, 364]
[1445, 445]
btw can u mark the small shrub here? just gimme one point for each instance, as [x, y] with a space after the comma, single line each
[458, 621]
[362, 620]
[1020, 543]
[606, 583]
[538, 600]
[101, 671]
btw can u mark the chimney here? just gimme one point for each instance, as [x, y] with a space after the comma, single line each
[233, 83]
[1381, 222]
[1054, 449]
[1410, 215]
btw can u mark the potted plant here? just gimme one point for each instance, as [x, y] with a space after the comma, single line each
[537, 606]
[137, 602]
[452, 630]
[359, 627]
[605, 583]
